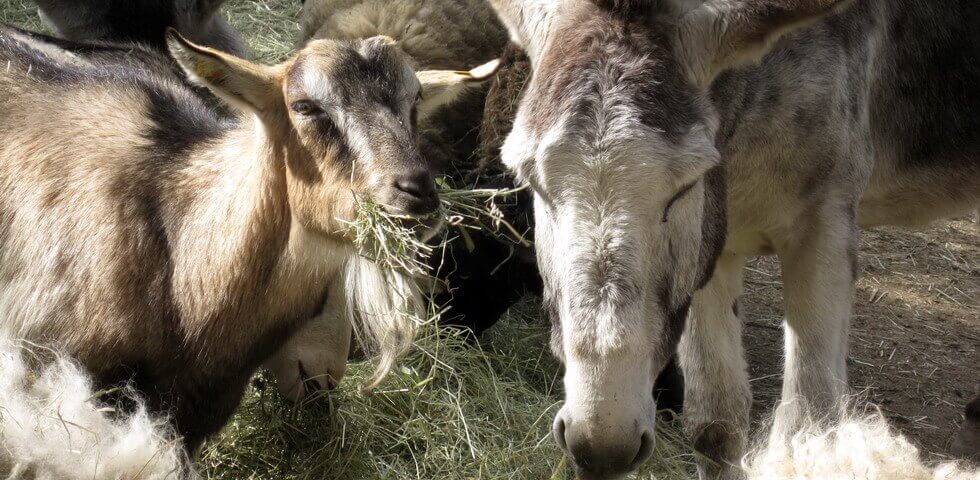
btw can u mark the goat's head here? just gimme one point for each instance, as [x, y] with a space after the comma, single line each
[344, 114]
[615, 135]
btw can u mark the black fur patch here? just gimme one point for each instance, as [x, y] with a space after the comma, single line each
[714, 223]
[180, 122]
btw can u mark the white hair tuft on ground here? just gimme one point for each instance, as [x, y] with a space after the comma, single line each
[50, 428]
[859, 447]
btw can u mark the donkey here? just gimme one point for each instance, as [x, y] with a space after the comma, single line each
[163, 243]
[142, 21]
[667, 141]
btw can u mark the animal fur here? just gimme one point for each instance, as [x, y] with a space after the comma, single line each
[52, 426]
[666, 147]
[164, 243]
[858, 447]
[142, 21]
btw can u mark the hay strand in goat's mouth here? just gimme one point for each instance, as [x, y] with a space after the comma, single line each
[395, 241]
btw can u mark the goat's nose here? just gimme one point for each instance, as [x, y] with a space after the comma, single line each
[418, 192]
[600, 459]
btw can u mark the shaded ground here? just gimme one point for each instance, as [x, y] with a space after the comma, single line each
[915, 333]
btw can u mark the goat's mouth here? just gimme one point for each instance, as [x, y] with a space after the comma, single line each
[425, 226]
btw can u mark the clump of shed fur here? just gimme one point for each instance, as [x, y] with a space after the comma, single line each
[51, 427]
[857, 447]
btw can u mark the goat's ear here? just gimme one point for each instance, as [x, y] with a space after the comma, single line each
[241, 83]
[443, 87]
[723, 34]
[527, 21]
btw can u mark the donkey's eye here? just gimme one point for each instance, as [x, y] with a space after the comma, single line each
[306, 107]
[677, 196]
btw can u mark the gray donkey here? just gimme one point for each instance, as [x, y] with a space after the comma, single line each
[668, 141]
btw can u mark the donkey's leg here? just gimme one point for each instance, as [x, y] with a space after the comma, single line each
[716, 387]
[819, 269]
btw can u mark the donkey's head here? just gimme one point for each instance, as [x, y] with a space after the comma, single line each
[616, 137]
[343, 114]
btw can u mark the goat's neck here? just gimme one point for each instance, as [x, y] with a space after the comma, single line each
[240, 248]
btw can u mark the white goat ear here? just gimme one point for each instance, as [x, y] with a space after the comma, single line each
[723, 34]
[527, 21]
[241, 83]
[443, 87]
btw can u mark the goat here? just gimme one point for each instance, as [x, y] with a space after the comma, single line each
[141, 21]
[436, 35]
[163, 243]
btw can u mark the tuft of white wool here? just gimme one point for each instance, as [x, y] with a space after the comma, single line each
[858, 447]
[384, 307]
[51, 429]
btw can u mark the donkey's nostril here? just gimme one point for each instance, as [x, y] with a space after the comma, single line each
[419, 185]
[558, 429]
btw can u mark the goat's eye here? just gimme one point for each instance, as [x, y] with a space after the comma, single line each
[306, 107]
[677, 196]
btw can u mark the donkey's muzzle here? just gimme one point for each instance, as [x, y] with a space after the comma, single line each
[603, 459]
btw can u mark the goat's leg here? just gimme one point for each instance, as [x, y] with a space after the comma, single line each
[716, 388]
[819, 269]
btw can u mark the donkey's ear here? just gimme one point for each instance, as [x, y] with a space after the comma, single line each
[443, 87]
[527, 21]
[242, 84]
[723, 34]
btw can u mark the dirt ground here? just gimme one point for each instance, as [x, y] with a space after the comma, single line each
[915, 333]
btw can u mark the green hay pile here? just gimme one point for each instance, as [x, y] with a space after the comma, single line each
[452, 411]
[449, 411]
[21, 13]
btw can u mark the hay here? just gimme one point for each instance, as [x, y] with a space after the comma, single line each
[393, 241]
[450, 412]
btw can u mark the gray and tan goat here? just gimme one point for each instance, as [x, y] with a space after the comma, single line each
[163, 243]
[439, 37]
[666, 142]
